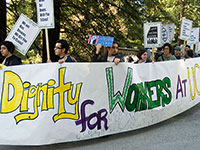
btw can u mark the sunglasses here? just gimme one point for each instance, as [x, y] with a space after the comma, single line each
[115, 47]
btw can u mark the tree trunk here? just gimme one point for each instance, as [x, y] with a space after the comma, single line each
[2, 22]
[53, 34]
[181, 16]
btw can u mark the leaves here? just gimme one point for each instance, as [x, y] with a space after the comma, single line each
[122, 19]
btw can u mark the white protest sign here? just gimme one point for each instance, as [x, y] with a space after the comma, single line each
[45, 14]
[198, 46]
[194, 36]
[23, 34]
[165, 34]
[171, 31]
[186, 28]
[152, 34]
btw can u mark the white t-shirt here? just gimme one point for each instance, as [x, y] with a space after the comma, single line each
[110, 59]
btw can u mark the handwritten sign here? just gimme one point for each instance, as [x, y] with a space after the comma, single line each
[165, 34]
[106, 41]
[171, 32]
[186, 28]
[194, 36]
[23, 34]
[152, 34]
[45, 13]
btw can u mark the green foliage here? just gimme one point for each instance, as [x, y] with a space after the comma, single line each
[122, 19]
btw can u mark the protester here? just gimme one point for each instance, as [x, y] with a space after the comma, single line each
[187, 48]
[7, 50]
[130, 59]
[1, 58]
[149, 53]
[167, 48]
[159, 53]
[190, 53]
[177, 52]
[61, 50]
[111, 54]
[142, 56]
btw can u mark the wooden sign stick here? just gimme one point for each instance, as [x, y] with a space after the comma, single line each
[153, 55]
[184, 45]
[47, 44]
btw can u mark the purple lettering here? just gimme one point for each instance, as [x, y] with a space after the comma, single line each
[84, 120]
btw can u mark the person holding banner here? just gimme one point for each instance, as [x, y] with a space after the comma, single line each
[7, 50]
[177, 52]
[61, 49]
[111, 54]
[167, 48]
[187, 48]
[190, 53]
[142, 56]
[1, 58]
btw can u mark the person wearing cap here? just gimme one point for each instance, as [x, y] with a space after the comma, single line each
[167, 48]
[177, 52]
[61, 50]
[7, 50]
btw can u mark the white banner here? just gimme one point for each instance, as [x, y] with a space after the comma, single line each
[52, 103]
[194, 39]
[45, 14]
[23, 34]
[152, 35]
[186, 28]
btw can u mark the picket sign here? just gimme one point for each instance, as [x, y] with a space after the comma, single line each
[152, 34]
[166, 37]
[105, 41]
[23, 34]
[45, 14]
[194, 39]
[171, 27]
[186, 28]
[54, 103]
[45, 17]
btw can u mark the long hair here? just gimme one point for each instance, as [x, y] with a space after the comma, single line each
[140, 53]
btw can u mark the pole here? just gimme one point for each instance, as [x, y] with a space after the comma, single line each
[153, 54]
[184, 45]
[47, 44]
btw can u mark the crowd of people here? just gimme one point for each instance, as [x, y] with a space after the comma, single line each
[110, 54]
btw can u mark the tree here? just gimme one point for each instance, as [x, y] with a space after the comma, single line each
[3, 20]
[2, 23]
[54, 34]
[177, 9]
[77, 19]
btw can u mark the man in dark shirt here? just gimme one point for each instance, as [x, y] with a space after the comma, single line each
[7, 50]
[111, 55]
[61, 49]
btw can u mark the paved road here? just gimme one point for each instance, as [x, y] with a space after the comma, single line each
[179, 133]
